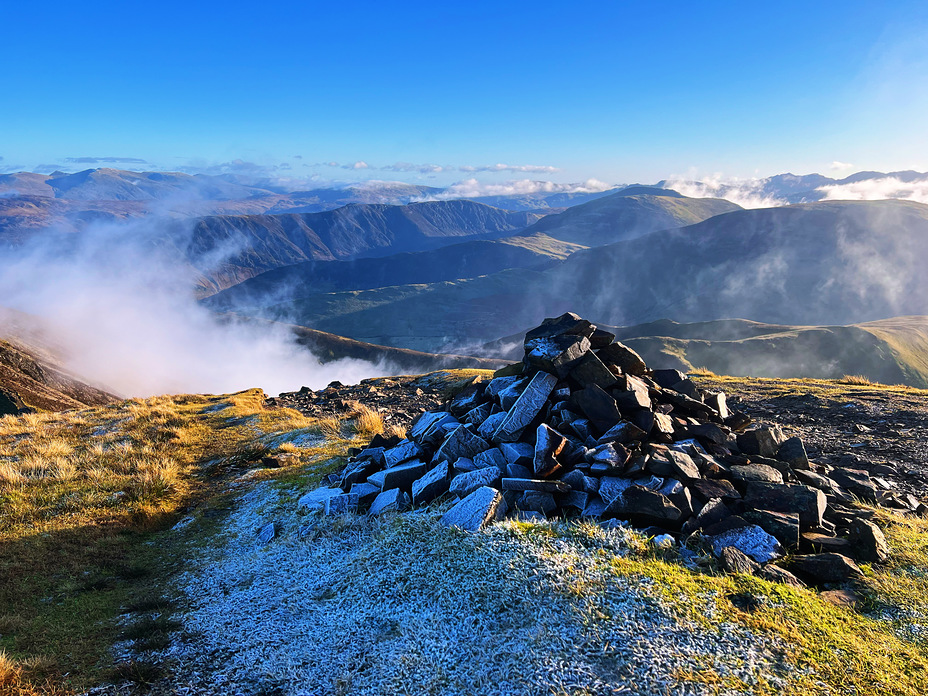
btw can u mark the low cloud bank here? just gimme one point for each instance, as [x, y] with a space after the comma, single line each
[889, 187]
[748, 193]
[120, 300]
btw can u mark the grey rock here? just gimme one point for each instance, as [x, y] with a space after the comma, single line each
[598, 406]
[673, 464]
[267, 533]
[667, 378]
[595, 507]
[752, 541]
[543, 486]
[500, 383]
[623, 432]
[462, 442]
[476, 510]
[574, 499]
[782, 525]
[704, 490]
[524, 410]
[464, 464]
[428, 426]
[537, 501]
[867, 541]
[612, 487]
[519, 471]
[476, 416]
[793, 452]
[736, 561]
[591, 370]
[809, 503]
[431, 485]
[568, 324]
[366, 492]
[341, 504]
[647, 507]
[489, 426]
[764, 441]
[315, 499]
[579, 481]
[393, 500]
[825, 567]
[624, 358]
[548, 446]
[756, 472]
[403, 452]
[465, 484]
[401, 476]
[857, 482]
[710, 514]
[718, 403]
[491, 458]
[774, 573]
[520, 453]
[557, 355]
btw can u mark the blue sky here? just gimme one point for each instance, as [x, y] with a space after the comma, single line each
[616, 91]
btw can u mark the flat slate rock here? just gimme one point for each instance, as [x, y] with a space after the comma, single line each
[465, 484]
[527, 406]
[477, 510]
[825, 567]
[462, 442]
[807, 502]
[751, 541]
[393, 500]
[315, 499]
[544, 486]
[432, 484]
[401, 476]
[341, 504]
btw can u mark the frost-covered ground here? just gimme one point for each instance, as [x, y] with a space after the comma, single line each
[404, 606]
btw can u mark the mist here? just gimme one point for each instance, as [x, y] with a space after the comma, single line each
[120, 300]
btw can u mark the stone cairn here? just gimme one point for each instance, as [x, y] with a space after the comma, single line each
[581, 427]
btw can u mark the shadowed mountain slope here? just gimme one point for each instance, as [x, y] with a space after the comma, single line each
[465, 260]
[824, 263]
[31, 372]
[253, 244]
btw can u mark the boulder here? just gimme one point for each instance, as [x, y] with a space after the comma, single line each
[825, 567]
[809, 503]
[465, 484]
[774, 573]
[598, 406]
[764, 441]
[462, 442]
[646, 507]
[734, 560]
[432, 484]
[782, 525]
[401, 476]
[704, 490]
[793, 452]
[548, 446]
[557, 355]
[403, 452]
[591, 370]
[526, 408]
[476, 510]
[537, 501]
[366, 492]
[623, 433]
[756, 472]
[752, 541]
[492, 458]
[624, 358]
[867, 542]
[542, 486]
[315, 499]
[393, 500]
[341, 504]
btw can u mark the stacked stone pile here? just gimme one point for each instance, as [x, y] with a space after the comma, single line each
[582, 427]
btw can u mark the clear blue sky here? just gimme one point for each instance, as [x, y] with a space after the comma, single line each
[619, 91]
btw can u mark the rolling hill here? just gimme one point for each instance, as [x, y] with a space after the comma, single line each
[889, 351]
[834, 263]
[252, 244]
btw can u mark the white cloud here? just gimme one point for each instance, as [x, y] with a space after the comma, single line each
[420, 168]
[472, 188]
[837, 166]
[360, 164]
[889, 187]
[748, 193]
[526, 168]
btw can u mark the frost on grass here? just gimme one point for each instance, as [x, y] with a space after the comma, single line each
[406, 606]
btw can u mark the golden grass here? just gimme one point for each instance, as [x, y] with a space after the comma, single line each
[858, 380]
[367, 422]
[82, 491]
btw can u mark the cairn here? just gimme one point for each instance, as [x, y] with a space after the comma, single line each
[583, 428]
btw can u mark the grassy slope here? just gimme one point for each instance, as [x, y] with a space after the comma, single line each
[84, 491]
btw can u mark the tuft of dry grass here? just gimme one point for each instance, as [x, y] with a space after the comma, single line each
[367, 422]
[702, 372]
[859, 380]
[10, 670]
